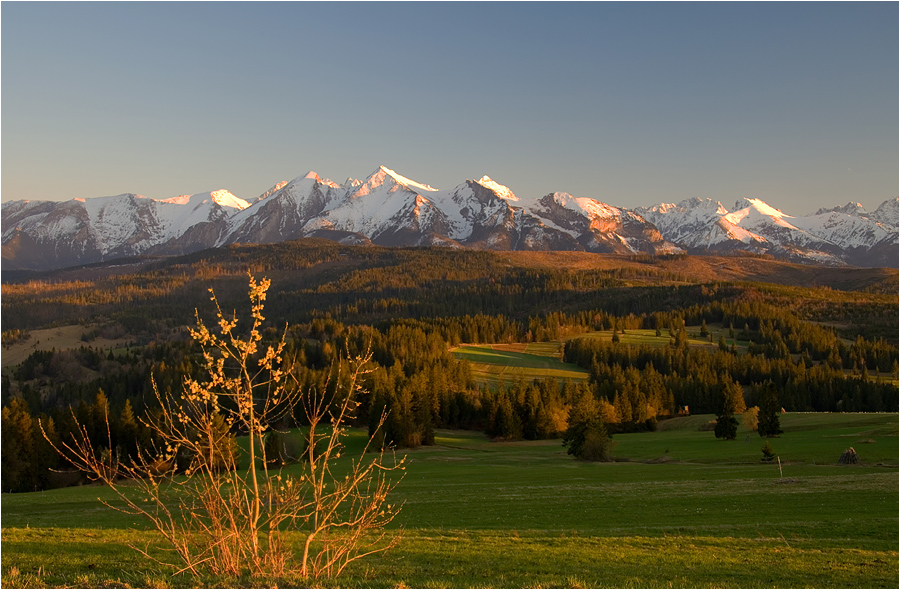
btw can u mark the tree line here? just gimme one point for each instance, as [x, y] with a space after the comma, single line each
[423, 386]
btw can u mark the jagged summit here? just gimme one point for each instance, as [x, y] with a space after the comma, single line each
[277, 187]
[757, 205]
[384, 171]
[502, 191]
[390, 209]
[850, 208]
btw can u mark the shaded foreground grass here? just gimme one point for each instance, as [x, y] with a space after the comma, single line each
[680, 508]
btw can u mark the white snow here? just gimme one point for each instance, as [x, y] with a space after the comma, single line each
[590, 208]
[411, 184]
[502, 191]
[386, 201]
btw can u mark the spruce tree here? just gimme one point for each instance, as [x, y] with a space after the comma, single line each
[17, 455]
[731, 402]
[769, 424]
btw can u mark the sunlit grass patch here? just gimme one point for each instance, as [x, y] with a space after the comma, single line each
[471, 558]
[495, 364]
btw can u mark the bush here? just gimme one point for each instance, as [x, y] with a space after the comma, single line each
[587, 437]
[726, 427]
[231, 522]
[597, 445]
[751, 418]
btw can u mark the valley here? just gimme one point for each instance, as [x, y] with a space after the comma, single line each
[482, 360]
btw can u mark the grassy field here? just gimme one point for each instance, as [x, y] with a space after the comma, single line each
[61, 338]
[695, 340]
[678, 508]
[495, 363]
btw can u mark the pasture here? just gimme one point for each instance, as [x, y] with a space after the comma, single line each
[677, 508]
[493, 364]
[59, 338]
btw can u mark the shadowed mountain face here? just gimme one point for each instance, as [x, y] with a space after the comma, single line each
[392, 210]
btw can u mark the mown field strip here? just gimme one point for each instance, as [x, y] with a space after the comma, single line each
[493, 364]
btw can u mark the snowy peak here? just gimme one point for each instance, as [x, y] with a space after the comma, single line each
[590, 208]
[757, 207]
[311, 178]
[385, 176]
[887, 213]
[851, 208]
[599, 227]
[831, 236]
[277, 187]
[390, 209]
[221, 197]
[757, 214]
[501, 191]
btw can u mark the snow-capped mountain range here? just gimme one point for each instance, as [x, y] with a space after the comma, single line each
[389, 209]
[842, 235]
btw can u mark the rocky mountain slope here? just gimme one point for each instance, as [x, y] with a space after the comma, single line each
[386, 209]
[392, 210]
[842, 235]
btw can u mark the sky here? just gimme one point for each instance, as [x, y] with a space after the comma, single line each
[630, 103]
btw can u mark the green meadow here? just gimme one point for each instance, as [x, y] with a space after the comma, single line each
[493, 364]
[677, 508]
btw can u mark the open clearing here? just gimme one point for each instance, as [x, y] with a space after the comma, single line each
[61, 338]
[493, 364]
[678, 507]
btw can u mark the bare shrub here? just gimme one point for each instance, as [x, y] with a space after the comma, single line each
[225, 519]
[751, 418]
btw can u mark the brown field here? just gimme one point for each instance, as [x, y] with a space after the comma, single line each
[62, 338]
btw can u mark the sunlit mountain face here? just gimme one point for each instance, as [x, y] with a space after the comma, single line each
[389, 209]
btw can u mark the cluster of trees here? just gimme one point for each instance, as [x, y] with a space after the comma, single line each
[692, 377]
[29, 461]
[423, 386]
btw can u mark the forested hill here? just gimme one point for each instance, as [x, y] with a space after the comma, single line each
[823, 338]
[365, 284]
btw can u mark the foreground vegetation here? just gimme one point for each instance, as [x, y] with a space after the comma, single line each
[677, 507]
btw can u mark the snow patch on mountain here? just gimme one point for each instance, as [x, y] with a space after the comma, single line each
[391, 209]
[501, 191]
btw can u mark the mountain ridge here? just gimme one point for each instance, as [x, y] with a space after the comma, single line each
[390, 209]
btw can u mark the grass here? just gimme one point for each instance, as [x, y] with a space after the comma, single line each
[493, 364]
[60, 338]
[640, 337]
[678, 508]
[461, 559]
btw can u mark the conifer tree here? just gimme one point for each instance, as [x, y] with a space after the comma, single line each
[769, 424]
[17, 456]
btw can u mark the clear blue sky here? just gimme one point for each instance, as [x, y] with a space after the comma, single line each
[629, 103]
